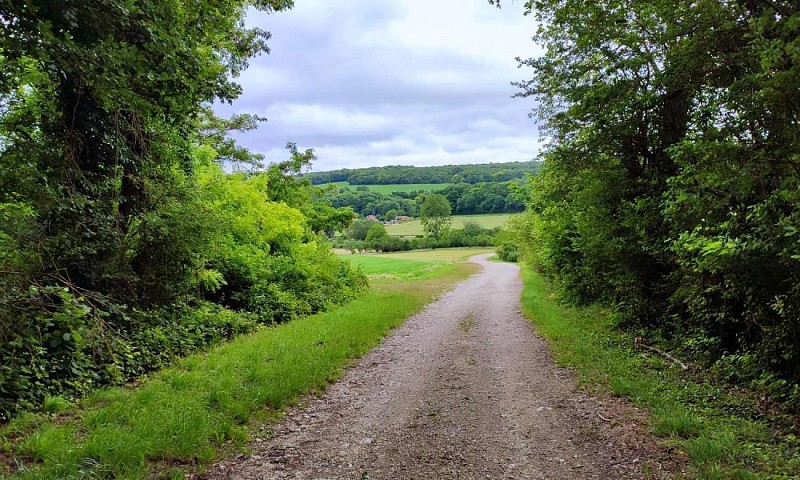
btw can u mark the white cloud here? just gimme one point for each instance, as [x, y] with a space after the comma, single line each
[379, 83]
[472, 29]
[322, 119]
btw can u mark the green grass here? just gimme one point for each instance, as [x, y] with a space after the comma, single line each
[439, 255]
[414, 227]
[409, 266]
[399, 187]
[380, 265]
[56, 405]
[721, 432]
[210, 404]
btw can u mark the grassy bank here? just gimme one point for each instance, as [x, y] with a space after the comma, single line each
[211, 404]
[725, 433]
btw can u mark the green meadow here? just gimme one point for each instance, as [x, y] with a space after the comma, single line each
[412, 228]
[210, 405]
[413, 265]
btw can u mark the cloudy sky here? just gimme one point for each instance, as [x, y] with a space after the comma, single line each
[411, 82]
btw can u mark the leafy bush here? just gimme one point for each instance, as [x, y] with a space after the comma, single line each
[507, 247]
[392, 244]
[674, 197]
[359, 228]
[75, 347]
[218, 255]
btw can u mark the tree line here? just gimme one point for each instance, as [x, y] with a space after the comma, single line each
[465, 199]
[123, 242]
[405, 174]
[435, 215]
[671, 185]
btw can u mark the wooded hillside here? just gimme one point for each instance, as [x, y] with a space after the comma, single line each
[465, 199]
[402, 174]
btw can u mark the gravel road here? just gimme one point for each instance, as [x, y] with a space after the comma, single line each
[465, 389]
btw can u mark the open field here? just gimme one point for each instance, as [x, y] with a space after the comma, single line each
[209, 405]
[399, 187]
[414, 227]
[413, 265]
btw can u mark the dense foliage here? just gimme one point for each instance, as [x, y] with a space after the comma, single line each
[367, 234]
[464, 198]
[671, 188]
[365, 202]
[403, 174]
[122, 241]
[483, 197]
[377, 239]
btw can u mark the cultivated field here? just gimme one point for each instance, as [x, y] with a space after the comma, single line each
[414, 227]
[399, 187]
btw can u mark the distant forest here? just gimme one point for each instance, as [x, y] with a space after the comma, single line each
[402, 174]
[464, 198]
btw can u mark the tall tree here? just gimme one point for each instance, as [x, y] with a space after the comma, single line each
[117, 223]
[435, 215]
[670, 187]
[100, 106]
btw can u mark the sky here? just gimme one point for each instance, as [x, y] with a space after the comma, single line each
[406, 82]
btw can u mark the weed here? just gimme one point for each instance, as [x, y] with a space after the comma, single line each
[466, 323]
[674, 420]
[56, 405]
[712, 450]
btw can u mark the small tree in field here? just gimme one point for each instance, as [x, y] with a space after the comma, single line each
[359, 228]
[391, 215]
[377, 233]
[435, 215]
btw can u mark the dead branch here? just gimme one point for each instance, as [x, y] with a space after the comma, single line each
[638, 343]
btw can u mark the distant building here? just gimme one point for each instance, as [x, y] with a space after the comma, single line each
[372, 217]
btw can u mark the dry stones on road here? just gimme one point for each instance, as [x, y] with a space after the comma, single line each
[465, 389]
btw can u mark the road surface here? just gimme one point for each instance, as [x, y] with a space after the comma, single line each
[465, 389]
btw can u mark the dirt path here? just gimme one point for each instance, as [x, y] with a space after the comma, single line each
[465, 389]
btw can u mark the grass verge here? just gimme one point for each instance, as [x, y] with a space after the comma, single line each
[723, 432]
[211, 404]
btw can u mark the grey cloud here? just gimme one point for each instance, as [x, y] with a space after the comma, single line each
[358, 83]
